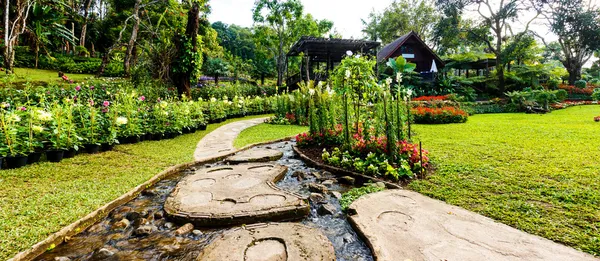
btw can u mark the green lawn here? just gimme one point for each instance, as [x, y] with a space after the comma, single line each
[538, 173]
[267, 132]
[40, 199]
[23, 75]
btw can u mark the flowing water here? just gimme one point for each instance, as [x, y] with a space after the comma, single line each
[163, 244]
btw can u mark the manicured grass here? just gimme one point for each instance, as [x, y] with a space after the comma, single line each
[40, 199]
[36, 75]
[538, 173]
[266, 132]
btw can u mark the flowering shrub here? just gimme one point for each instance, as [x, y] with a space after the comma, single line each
[431, 98]
[597, 119]
[443, 115]
[587, 90]
[567, 104]
[324, 138]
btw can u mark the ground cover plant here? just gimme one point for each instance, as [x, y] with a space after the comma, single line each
[540, 174]
[39, 200]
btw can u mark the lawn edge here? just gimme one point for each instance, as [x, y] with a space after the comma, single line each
[84, 223]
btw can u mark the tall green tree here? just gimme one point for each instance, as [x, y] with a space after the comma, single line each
[277, 14]
[496, 16]
[402, 17]
[577, 26]
[15, 23]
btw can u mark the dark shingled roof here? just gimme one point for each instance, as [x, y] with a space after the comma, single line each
[322, 46]
[388, 50]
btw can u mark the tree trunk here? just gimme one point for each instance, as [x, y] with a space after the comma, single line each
[6, 50]
[280, 61]
[132, 39]
[216, 79]
[183, 79]
[574, 69]
[85, 23]
[262, 79]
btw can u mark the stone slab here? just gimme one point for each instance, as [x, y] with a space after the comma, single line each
[270, 242]
[255, 155]
[405, 225]
[237, 194]
[220, 141]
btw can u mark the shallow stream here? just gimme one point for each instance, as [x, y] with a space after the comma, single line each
[164, 244]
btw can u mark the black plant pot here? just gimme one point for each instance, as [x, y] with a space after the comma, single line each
[55, 155]
[1, 162]
[92, 148]
[186, 130]
[69, 153]
[202, 127]
[157, 136]
[16, 162]
[107, 147]
[34, 157]
[148, 136]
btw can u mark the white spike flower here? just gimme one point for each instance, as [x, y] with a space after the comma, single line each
[121, 121]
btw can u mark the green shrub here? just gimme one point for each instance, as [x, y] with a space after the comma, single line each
[355, 193]
[581, 84]
[596, 94]
[553, 84]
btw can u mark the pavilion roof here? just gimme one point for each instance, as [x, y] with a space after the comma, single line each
[323, 47]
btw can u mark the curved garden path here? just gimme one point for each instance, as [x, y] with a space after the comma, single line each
[220, 141]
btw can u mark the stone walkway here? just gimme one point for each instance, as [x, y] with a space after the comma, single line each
[220, 141]
[405, 225]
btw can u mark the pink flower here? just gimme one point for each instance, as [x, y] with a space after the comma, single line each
[23, 108]
[92, 87]
[106, 103]
[142, 98]
[78, 88]
[92, 102]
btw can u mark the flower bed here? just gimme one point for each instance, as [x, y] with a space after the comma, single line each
[432, 98]
[59, 122]
[442, 115]
[567, 104]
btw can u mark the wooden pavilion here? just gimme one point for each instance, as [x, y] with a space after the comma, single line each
[321, 55]
[411, 47]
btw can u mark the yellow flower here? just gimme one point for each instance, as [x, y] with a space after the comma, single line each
[37, 129]
[121, 121]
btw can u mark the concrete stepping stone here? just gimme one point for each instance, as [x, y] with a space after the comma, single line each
[270, 242]
[256, 155]
[405, 225]
[231, 195]
[219, 142]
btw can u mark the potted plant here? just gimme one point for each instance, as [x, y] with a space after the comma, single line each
[14, 138]
[36, 133]
[91, 130]
[73, 140]
[57, 135]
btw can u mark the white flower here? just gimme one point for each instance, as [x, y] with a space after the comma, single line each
[348, 74]
[388, 81]
[37, 129]
[4, 105]
[44, 115]
[14, 117]
[225, 98]
[311, 92]
[399, 77]
[121, 121]
[329, 90]
[213, 99]
[409, 92]
[349, 53]
[357, 56]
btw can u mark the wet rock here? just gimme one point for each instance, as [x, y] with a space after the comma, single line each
[62, 258]
[380, 184]
[145, 230]
[122, 224]
[317, 175]
[187, 228]
[150, 192]
[348, 238]
[317, 188]
[120, 212]
[347, 180]
[300, 175]
[159, 214]
[196, 232]
[133, 215]
[255, 155]
[139, 222]
[326, 209]
[316, 198]
[97, 228]
[336, 194]
[169, 225]
[328, 182]
[102, 253]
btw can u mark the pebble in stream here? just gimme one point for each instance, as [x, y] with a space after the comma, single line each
[157, 239]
